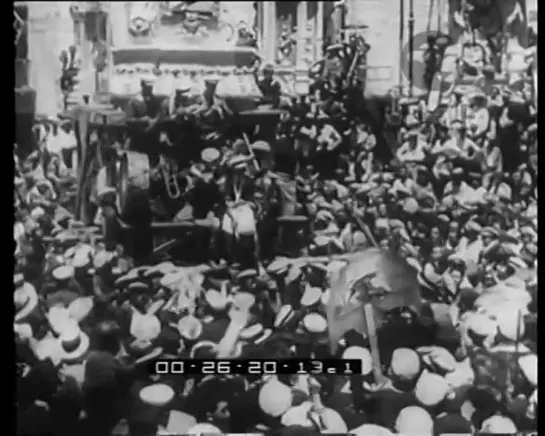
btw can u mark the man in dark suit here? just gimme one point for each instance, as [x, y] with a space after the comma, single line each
[270, 87]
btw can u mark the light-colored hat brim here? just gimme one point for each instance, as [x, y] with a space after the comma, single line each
[167, 395]
[31, 303]
[83, 347]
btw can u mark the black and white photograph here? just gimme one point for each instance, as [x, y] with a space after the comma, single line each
[271, 218]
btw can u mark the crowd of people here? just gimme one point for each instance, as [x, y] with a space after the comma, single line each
[458, 201]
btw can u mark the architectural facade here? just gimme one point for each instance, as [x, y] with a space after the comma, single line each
[292, 41]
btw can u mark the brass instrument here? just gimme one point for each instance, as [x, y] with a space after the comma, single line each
[169, 171]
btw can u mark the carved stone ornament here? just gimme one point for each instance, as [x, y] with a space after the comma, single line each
[18, 26]
[142, 17]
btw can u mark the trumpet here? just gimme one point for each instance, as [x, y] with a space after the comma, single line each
[169, 172]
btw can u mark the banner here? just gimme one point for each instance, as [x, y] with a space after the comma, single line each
[393, 284]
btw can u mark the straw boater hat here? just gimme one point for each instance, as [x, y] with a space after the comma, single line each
[315, 323]
[144, 327]
[216, 300]
[80, 261]
[63, 272]
[405, 364]
[414, 420]
[178, 423]
[361, 354]
[203, 429]
[438, 358]
[285, 314]
[48, 348]
[239, 162]
[25, 298]
[157, 395]
[311, 296]
[190, 327]
[247, 274]
[430, 389]
[371, 430]
[498, 425]
[210, 155]
[275, 398]
[261, 146]
[73, 343]
[278, 266]
[80, 308]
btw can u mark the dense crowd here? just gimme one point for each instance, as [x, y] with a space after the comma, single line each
[458, 202]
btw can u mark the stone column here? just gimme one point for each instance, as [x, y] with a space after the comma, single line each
[268, 40]
[319, 30]
[118, 23]
[302, 18]
[301, 66]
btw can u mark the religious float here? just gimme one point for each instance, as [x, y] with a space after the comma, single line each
[490, 33]
[444, 45]
[168, 42]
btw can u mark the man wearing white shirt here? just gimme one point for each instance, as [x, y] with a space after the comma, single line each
[412, 150]
[470, 246]
[459, 190]
[63, 144]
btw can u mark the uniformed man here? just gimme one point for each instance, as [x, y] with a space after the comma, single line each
[211, 108]
[333, 63]
[142, 112]
[178, 104]
[270, 87]
[145, 105]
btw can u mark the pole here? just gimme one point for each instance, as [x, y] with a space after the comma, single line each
[411, 46]
[401, 35]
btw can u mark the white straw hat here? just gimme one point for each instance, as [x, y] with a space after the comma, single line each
[80, 308]
[275, 398]
[315, 323]
[157, 394]
[203, 429]
[73, 342]
[26, 300]
[414, 421]
[362, 354]
[63, 272]
[311, 296]
[144, 327]
[178, 423]
[190, 327]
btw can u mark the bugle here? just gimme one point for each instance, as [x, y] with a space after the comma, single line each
[170, 178]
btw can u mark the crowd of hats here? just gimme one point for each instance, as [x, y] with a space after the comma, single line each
[475, 253]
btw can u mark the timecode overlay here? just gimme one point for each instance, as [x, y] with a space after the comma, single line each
[258, 367]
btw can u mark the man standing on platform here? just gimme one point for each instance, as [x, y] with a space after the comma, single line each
[270, 87]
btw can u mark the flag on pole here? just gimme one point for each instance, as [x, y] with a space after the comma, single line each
[391, 283]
